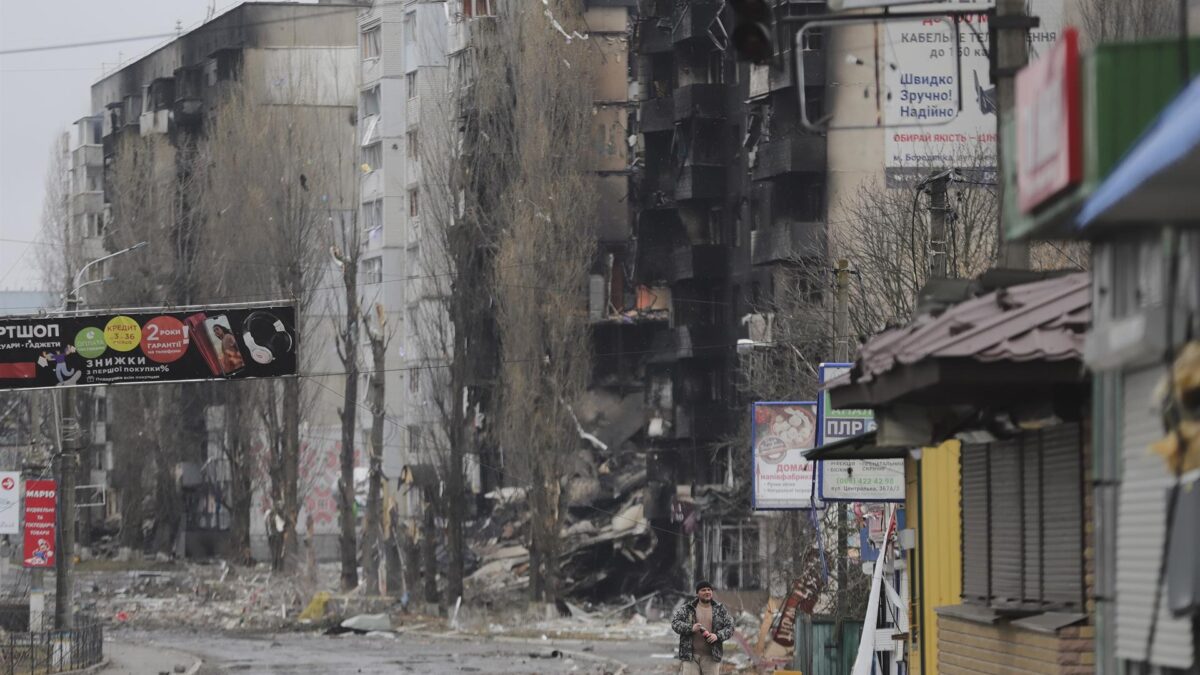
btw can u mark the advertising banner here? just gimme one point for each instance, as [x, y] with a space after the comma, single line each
[139, 346]
[867, 480]
[926, 131]
[41, 506]
[781, 432]
[10, 502]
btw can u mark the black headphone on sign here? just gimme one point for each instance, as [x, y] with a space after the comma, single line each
[266, 337]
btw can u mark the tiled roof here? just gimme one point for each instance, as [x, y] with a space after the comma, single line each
[1039, 321]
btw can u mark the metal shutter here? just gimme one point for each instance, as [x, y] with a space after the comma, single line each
[1006, 509]
[1062, 517]
[1141, 523]
[975, 544]
[1032, 531]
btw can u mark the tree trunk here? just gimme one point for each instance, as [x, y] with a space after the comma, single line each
[412, 561]
[429, 551]
[372, 532]
[290, 550]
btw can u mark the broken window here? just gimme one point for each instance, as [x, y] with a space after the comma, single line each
[474, 8]
[369, 102]
[372, 270]
[410, 142]
[733, 556]
[410, 28]
[372, 156]
[410, 80]
[372, 45]
[373, 216]
[414, 204]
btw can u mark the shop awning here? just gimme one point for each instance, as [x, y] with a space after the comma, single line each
[1156, 182]
[861, 446]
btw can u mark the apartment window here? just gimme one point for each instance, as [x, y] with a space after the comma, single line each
[372, 156]
[1022, 503]
[372, 270]
[411, 81]
[411, 142]
[372, 214]
[474, 8]
[414, 203]
[93, 225]
[410, 28]
[371, 43]
[369, 102]
[732, 552]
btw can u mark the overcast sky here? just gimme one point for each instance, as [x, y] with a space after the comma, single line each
[42, 93]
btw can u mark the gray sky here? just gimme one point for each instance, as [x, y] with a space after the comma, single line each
[42, 93]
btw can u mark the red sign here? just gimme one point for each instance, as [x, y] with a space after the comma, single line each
[41, 506]
[1049, 124]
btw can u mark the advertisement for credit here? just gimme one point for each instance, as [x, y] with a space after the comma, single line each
[126, 347]
[783, 478]
[41, 502]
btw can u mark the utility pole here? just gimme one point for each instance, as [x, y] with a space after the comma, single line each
[65, 468]
[841, 353]
[938, 258]
[1010, 46]
[64, 559]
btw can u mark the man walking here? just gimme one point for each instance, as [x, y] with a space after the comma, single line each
[703, 625]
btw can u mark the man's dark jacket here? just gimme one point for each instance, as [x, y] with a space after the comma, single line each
[685, 618]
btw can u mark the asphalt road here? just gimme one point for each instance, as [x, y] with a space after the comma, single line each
[301, 653]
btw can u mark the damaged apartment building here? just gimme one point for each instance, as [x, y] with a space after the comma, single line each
[726, 192]
[279, 54]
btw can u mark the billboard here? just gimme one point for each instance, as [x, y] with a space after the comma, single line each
[780, 433]
[865, 480]
[141, 346]
[925, 130]
[10, 502]
[41, 506]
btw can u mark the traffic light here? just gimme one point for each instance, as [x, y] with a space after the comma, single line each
[752, 35]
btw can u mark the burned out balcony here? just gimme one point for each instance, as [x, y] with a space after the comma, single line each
[700, 101]
[695, 21]
[655, 35]
[787, 240]
[791, 154]
[657, 114]
[702, 420]
[700, 341]
[700, 182]
[700, 261]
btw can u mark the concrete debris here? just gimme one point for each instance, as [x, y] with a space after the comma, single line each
[366, 623]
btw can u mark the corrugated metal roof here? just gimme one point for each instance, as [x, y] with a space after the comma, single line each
[1039, 321]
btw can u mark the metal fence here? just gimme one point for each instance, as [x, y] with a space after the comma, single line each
[52, 651]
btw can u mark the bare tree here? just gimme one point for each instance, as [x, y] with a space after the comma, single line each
[58, 256]
[379, 335]
[1117, 20]
[280, 164]
[347, 251]
[544, 248]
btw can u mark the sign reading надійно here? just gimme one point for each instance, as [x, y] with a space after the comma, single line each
[853, 480]
[139, 346]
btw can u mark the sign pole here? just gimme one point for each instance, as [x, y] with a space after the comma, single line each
[1010, 29]
[64, 562]
[841, 326]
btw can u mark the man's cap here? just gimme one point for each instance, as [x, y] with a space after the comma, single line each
[703, 584]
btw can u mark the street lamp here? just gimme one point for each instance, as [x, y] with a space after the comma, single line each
[64, 562]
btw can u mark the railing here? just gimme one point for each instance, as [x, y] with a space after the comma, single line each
[53, 651]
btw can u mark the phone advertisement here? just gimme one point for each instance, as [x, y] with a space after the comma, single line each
[141, 346]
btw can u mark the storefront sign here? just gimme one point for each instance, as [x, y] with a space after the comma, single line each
[866, 480]
[10, 502]
[127, 347]
[41, 506]
[1049, 124]
[783, 478]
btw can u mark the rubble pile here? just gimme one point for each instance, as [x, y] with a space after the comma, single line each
[214, 596]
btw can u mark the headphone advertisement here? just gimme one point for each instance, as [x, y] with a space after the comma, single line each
[140, 346]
